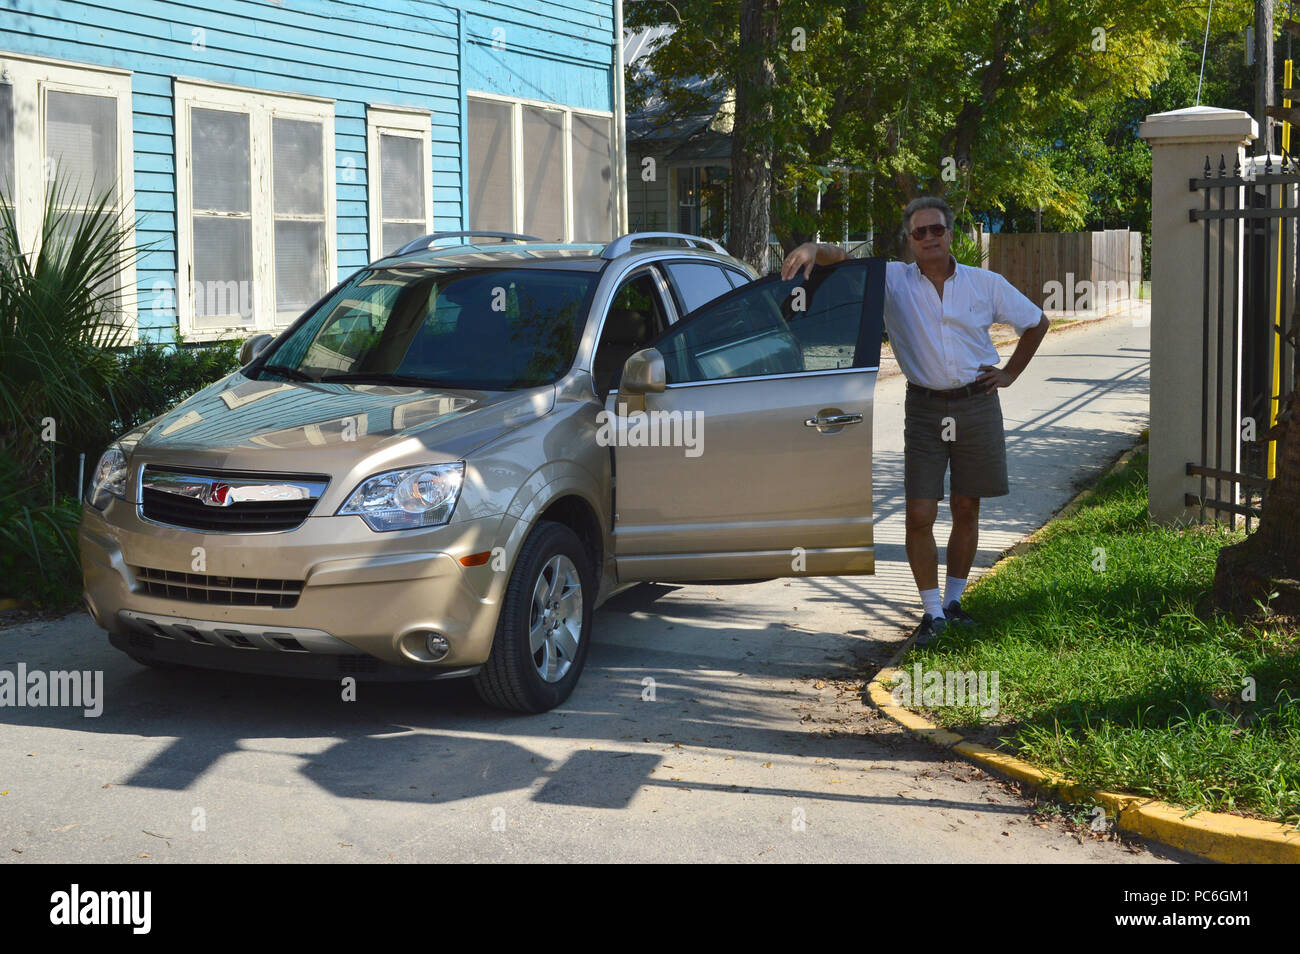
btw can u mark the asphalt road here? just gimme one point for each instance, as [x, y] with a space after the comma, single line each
[713, 723]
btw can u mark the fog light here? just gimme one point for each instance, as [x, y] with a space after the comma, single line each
[437, 645]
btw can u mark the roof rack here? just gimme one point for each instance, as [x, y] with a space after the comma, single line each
[425, 241]
[623, 244]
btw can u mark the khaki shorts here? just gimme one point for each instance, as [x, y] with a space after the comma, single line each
[977, 450]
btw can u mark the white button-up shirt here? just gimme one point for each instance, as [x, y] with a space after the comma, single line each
[940, 344]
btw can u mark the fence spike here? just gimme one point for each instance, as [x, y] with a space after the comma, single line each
[1236, 167]
[1268, 164]
[1207, 168]
[1223, 166]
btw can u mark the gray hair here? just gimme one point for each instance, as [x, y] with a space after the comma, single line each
[926, 202]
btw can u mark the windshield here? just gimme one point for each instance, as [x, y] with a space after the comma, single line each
[481, 329]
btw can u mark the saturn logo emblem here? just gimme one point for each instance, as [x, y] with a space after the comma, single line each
[218, 495]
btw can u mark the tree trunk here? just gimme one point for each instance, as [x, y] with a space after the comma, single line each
[751, 138]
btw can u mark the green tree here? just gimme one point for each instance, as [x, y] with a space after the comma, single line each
[946, 98]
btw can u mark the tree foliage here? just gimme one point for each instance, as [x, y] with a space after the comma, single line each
[1002, 106]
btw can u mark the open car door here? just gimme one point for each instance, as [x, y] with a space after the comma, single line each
[742, 434]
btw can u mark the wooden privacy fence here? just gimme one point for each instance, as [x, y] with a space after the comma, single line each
[1067, 271]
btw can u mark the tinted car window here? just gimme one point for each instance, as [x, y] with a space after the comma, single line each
[779, 327]
[488, 329]
[696, 283]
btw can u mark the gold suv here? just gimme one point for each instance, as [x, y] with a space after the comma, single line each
[444, 466]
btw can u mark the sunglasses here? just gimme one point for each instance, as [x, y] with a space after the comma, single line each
[932, 230]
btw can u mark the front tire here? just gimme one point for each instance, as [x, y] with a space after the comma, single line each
[544, 630]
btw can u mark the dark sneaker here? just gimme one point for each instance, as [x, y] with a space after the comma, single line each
[929, 630]
[955, 614]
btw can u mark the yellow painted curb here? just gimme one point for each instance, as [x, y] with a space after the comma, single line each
[10, 605]
[1213, 835]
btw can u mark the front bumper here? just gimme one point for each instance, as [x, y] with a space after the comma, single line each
[366, 598]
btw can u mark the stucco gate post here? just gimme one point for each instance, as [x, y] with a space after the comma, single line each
[1180, 142]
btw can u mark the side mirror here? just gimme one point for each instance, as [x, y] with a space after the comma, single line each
[643, 373]
[252, 347]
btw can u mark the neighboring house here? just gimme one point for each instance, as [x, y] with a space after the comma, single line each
[266, 150]
[684, 186]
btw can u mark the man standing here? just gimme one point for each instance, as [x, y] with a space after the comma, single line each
[938, 315]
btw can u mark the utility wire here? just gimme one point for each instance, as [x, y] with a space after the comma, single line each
[1204, 46]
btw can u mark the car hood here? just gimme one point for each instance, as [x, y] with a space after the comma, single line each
[240, 423]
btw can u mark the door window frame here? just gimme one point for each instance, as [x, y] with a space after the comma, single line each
[667, 305]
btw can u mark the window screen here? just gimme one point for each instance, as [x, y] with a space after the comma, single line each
[222, 218]
[491, 182]
[81, 159]
[543, 143]
[298, 164]
[219, 149]
[81, 145]
[401, 191]
[593, 180]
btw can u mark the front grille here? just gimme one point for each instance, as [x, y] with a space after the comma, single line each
[228, 501]
[220, 590]
[262, 516]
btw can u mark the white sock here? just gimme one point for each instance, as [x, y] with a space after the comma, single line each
[930, 600]
[953, 590]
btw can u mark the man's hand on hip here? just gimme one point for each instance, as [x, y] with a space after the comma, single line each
[993, 378]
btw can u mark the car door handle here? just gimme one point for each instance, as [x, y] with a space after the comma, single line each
[833, 420]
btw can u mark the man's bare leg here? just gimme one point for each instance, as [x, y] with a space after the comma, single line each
[965, 537]
[922, 554]
[962, 544]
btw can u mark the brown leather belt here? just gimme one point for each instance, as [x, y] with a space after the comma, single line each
[967, 391]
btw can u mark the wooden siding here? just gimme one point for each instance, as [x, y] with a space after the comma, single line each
[647, 202]
[391, 52]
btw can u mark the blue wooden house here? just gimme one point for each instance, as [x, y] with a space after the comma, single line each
[267, 148]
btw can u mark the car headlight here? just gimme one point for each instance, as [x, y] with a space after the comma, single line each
[408, 499]
[109, 479]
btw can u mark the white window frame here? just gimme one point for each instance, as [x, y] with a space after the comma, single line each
[31, 78]
[517, 158]
[262, 107]
[395, 121]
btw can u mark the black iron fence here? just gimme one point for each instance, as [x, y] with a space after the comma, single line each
[1249, 298]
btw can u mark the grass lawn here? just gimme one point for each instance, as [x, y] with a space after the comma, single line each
[1113, 671]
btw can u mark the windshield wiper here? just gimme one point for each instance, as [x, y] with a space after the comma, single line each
[379, 377]
[292, 373]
